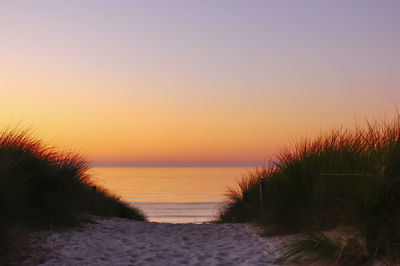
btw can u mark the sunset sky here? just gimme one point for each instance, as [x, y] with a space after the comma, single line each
[194, 82]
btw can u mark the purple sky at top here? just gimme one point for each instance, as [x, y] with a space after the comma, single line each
[297, 66]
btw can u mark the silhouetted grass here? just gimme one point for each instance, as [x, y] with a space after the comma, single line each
[340, 249]
[243, 199]
[42, 187]
[346, 177]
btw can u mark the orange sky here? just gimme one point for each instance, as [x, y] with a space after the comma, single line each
[138, 83]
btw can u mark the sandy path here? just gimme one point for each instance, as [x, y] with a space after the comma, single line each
[125, 242]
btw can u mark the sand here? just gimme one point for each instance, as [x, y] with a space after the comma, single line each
[114, 241]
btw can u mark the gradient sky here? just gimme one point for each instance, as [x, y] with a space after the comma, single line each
[194, 82]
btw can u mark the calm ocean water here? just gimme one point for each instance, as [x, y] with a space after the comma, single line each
[171, 194]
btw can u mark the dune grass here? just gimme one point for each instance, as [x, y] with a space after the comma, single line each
[337, 249]
[42, 187]
[344, 178]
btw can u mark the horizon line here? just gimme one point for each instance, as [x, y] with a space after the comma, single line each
[173, 165]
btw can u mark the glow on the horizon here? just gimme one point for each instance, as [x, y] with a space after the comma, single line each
[211, 83]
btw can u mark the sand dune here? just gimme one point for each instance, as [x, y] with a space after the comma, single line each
[113, 241]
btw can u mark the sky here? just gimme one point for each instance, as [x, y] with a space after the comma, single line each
[194, 82]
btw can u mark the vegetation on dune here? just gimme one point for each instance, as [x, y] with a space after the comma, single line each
[339, 249]
[342, 179]
[42, 187]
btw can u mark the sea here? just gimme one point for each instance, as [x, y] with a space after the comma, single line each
[172, 194]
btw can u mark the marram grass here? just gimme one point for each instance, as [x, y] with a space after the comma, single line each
[45, 188]
[344, 178]
[333, 249]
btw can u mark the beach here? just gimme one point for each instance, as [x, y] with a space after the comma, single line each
[117, 241]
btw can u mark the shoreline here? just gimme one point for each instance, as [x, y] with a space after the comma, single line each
[118, 241]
